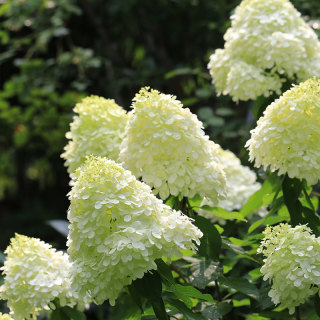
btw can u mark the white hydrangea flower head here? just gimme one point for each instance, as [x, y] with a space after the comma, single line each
[287, 137]
[34, 275]
[118, 229]
[292, 264]
[166, 146]
[4, 316]
[98, 129]
[241, 185]
[266, 39]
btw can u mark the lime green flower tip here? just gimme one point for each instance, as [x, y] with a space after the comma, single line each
[98, 129]
[292, 264]
[166, 146]
[35, 274]
[267, 39]
[287, 137]
[118, 229]
[4, 316]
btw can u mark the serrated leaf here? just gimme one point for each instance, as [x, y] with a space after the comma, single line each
[204, 271]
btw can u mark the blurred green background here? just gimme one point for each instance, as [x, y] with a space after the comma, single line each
[54, 52]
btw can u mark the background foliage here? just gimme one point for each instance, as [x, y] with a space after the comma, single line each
[56, 52]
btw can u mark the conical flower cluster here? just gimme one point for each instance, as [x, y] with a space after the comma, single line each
[98, 129]
[268, 41]
[34, 275]
[287, 137]
[166, 146]
[292, 264]
[118, 228]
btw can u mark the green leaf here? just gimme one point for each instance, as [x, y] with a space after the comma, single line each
[235, 248]
[242, 285]
[164, 271]
[210, 245]
[255, 225]
[265, 301]
[73, 313]
[256, 201]
[196, 201]
[204, 271]
[291, 191]
[223, 213]
[58, 314]
[316, 301]
[211, 313]
[150, 287]
[185, 310]
[224, 307]
[190, 292]
[180, 72]
[310, 217]
[136, 298]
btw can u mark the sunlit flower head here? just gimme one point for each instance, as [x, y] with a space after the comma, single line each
[118, 229]
[166, 146]
[35, 274]
[287, 137]
[292, 264]
[4, 316]
[98, 129]
[267, 42]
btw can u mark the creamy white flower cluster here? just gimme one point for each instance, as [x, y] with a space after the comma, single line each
[98, 129]
[166, 146]
[34, 275]
[267, 40]
[241, 185]
[118, 229]
[287, 137]
[292, 264]
[4, 316]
